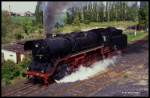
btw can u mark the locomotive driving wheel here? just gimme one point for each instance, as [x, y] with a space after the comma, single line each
[62, 71]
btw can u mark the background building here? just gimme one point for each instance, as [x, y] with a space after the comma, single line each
[14, 52]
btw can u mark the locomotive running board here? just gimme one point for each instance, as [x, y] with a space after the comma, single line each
[46, 76]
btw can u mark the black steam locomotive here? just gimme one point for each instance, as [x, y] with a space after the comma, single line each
[59, 55]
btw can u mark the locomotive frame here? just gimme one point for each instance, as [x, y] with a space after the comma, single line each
[85, 58]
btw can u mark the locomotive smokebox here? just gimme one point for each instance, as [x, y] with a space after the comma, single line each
[28, 45]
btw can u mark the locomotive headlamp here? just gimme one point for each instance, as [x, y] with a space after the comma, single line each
[36, 45]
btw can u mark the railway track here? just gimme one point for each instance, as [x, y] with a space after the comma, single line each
[136, 54]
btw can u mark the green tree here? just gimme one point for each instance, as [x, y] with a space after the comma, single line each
[70, 14]
[6, 22]
[27, 25]
[76, 21]
[39, 13]
[9, 71]
[144, 16]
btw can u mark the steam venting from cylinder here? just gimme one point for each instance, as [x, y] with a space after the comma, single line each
[87, 72]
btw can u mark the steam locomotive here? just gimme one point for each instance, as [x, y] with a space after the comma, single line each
[60, 55]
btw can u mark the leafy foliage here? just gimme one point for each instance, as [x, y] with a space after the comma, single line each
[10, 70]
[111, 11]
[39, 14]
[19, 27]
[143, 16]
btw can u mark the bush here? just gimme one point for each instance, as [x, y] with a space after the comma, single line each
[11, 71]
[26, 61]
[7, 70]
[18, 27]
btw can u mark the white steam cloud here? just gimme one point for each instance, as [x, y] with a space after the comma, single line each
[87, 72]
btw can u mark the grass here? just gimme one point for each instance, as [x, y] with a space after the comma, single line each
[139, 35]
[119, 24]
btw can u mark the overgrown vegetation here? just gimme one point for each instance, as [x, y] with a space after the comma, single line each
[11, 71]
[139, 35]
[16, 28]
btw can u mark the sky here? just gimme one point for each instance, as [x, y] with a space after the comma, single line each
[19, 7]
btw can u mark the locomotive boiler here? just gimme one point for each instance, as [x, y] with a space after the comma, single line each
[58, 56]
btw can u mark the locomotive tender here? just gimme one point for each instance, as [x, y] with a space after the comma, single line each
[56, 57]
